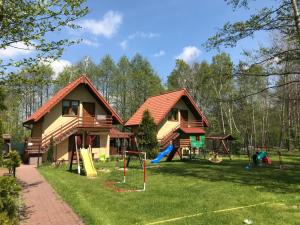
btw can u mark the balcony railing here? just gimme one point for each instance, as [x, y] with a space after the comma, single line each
[93, 122]
[192, 123]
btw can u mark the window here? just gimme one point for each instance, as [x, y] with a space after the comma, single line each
[70, 107]
[173, 115]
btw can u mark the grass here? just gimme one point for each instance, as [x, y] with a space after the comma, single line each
[179, 188]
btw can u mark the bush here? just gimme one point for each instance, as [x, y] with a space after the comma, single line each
[146, 137]
[9, 194]
[12, 161]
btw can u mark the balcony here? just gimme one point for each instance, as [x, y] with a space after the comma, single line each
[191, 123]
[93, 122]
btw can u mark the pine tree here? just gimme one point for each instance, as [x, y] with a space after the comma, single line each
[147, 135]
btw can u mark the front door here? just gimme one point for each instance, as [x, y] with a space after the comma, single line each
[88, 113]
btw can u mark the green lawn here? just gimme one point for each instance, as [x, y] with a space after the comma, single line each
[179, 189]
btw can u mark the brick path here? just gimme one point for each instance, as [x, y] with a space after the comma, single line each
[43, 205]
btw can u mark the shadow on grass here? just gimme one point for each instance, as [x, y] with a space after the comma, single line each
[267, 179]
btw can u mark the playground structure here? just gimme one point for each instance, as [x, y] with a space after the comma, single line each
[220, 145]
[134, 170]
[85, 155]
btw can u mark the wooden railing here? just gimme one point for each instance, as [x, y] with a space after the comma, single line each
[77, 122]
[94, 122]
[60, 130]
[193, 123]
[169, 136]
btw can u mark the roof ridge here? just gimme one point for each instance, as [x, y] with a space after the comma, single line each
[168, 92]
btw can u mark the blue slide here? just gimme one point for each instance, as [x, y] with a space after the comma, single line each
[163, 154]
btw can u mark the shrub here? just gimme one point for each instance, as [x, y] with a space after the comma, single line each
[12, 161]
[9, 194]
[147, 139]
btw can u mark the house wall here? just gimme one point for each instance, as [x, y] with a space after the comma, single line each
[62, 151]
[54, 119]
[37, 129]
[166, 126]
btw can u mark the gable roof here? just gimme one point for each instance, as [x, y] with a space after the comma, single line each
[159, 106]
[62, 93]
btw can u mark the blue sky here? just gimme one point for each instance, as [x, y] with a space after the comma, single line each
[159, 30]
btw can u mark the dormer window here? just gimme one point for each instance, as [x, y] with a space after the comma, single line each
[173, 115]
[70, 107]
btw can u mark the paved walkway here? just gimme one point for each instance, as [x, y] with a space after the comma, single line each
[43, 205]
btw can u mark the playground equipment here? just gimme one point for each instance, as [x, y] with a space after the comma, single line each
[221, 144]
[197, 144]
[134, 174]
[88, 163]
[163, 154]
[85, 155]
[214, 158]
[261, 156]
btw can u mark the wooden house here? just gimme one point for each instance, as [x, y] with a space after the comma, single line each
[177, 118]
[79, 109]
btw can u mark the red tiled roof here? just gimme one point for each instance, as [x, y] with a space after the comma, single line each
[160, 105]
[193, 130]
[116, 133]
[62, 93]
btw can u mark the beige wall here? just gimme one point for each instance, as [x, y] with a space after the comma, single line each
[54, 119]
[167, 126]
[62, 151]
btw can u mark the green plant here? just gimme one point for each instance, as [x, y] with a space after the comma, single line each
[12, 161]
[147, 135]
[9, 193]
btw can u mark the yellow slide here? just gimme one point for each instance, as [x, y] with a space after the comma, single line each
[88, 163]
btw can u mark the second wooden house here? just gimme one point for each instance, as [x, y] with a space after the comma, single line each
[179, 120]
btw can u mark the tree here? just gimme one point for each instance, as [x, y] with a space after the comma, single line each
[179, 76]
[12, 161]
[283, 19]
[26, 25]
[280, 62]
[143, 82]
[146, 136]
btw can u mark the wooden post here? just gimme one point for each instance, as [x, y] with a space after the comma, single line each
[77, 155]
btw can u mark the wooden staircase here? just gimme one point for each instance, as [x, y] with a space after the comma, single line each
[38, 145]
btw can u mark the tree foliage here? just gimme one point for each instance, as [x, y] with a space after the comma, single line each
[26, 25]
[146, 137]
[9, 194]
[12, 161]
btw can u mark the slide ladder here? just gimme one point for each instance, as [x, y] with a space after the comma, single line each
[88, 163]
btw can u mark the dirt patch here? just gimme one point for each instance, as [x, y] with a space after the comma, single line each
[112, 185]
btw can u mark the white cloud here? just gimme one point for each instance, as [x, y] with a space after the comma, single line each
[159, 54]
[57, 65]
[139, 34]
[189, 54]
[124, 44]
[107, 26]
[16, 49]
[90, 43]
